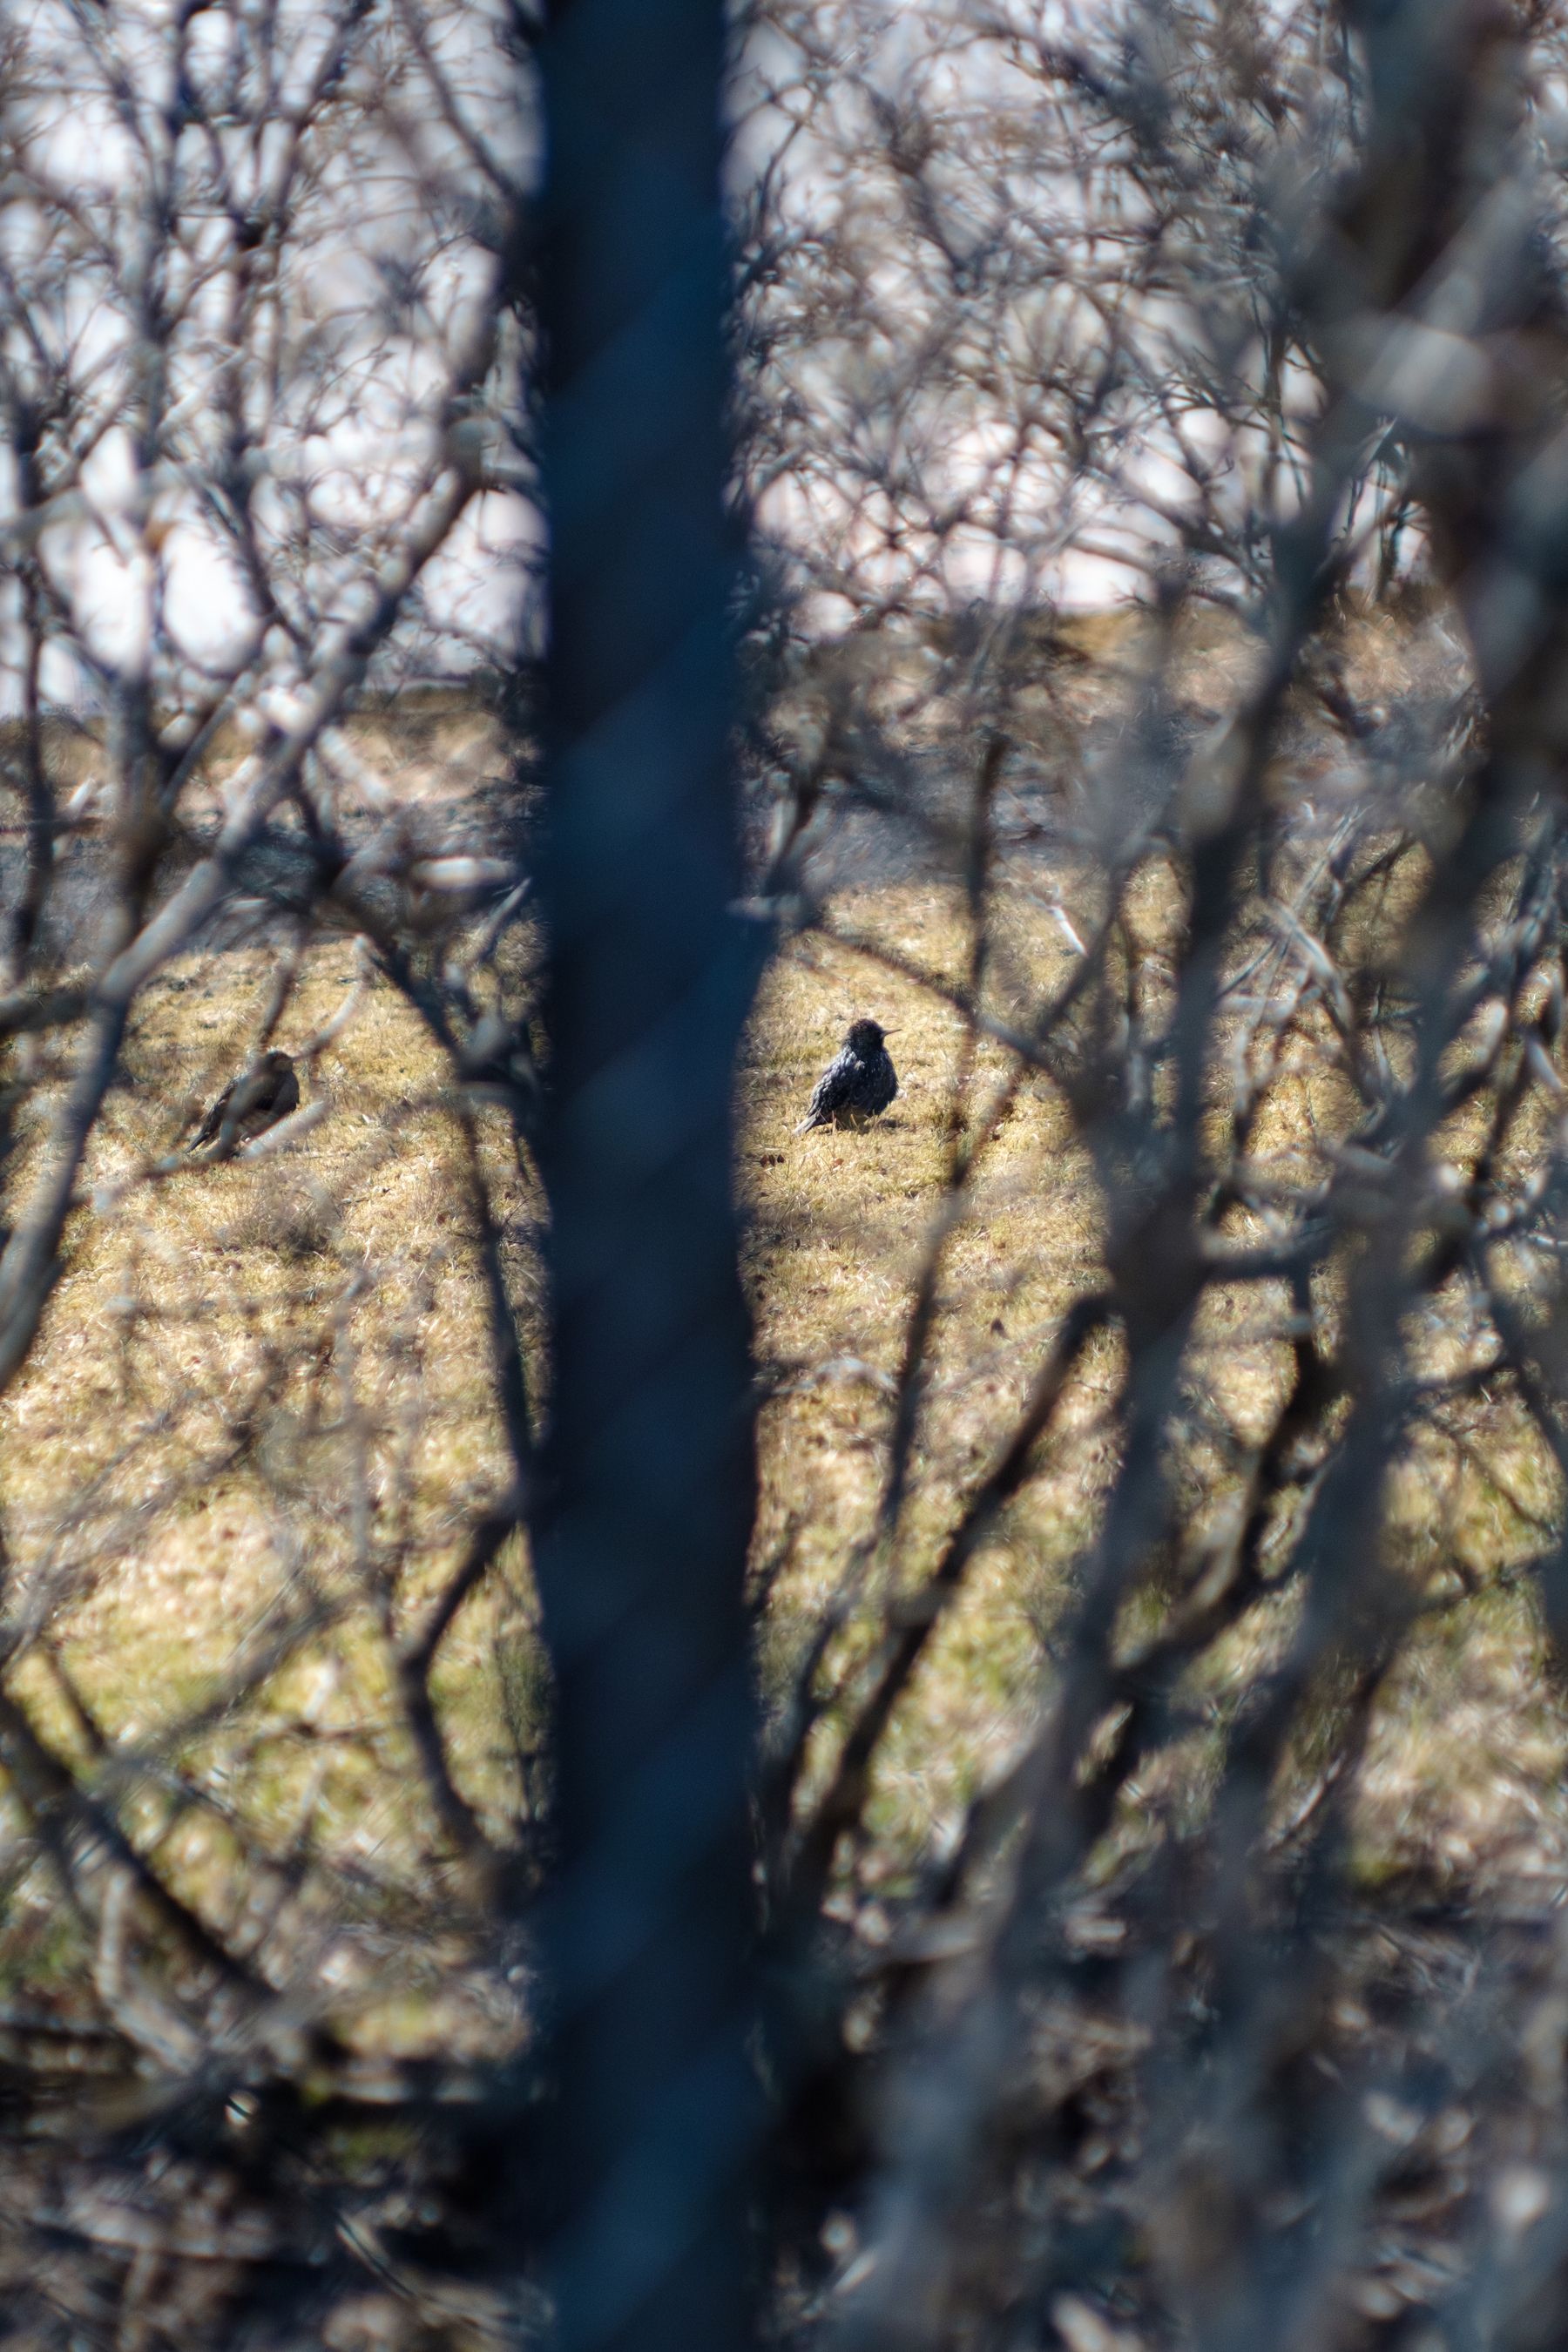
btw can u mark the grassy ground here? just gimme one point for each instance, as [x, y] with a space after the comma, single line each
[260, 1402]
[840, 1225]
[1463, 1778]
[259, 1413]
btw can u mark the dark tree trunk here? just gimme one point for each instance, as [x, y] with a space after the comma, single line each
[649, 1464]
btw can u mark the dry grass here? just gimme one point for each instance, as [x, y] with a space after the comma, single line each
[263, 1391]
[259, 1411]
[839, 1227]
[1464, 1773]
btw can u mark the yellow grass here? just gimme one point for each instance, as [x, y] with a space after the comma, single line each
[257, 1386]
[261, 1385]
[840, 1227]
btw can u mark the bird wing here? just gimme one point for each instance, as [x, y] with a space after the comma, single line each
[249, 1105]
[265, 1097]
[832, 1090]
[214, 1121]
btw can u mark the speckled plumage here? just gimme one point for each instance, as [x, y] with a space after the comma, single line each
[856, 1086]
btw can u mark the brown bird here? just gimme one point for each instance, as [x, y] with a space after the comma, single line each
[250, 1104]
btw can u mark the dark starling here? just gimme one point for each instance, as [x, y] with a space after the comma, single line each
[250, 1104]
[858, 1084]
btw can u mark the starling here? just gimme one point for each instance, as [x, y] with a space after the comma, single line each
[250, 1104]
[858, 1084]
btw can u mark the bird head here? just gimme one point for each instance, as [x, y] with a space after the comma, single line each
[866, 1037]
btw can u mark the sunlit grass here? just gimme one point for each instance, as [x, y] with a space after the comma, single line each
[260, 1411]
